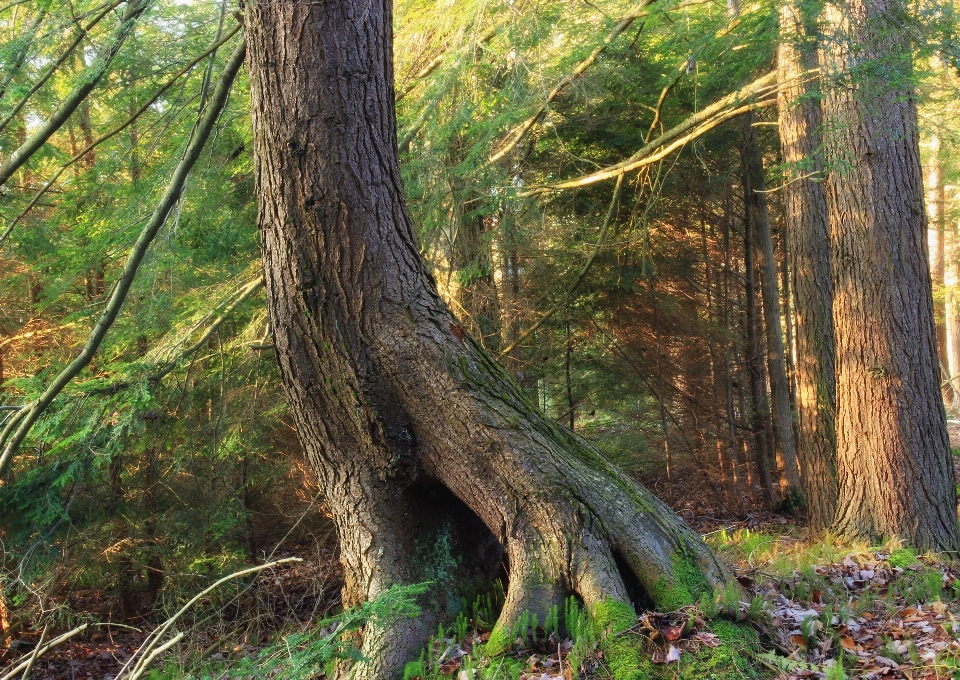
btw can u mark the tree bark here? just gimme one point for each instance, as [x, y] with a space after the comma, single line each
[893, 456]
[406, 419]
[755, 206]
[808, 245]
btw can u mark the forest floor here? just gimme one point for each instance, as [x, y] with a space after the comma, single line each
[824, 610]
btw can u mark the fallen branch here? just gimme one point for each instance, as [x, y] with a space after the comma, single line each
[145, 666]
[40, 651]
[693, 127]
[150, 644]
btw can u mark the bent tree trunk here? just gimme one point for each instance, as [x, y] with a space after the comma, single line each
[894, 466]
[408, 421]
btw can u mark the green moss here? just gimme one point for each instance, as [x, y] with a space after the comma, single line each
[687, 586]
[620, 653]
[498, 642]
[726, 662]
[611, 616]
[413, 669]
[903, 557]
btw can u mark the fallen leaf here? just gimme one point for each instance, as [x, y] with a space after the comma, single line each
[672, 633]
[708, 639]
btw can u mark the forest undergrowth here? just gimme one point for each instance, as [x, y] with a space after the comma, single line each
[806, 608]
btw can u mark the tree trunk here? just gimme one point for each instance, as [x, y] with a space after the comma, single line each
[951, 279]
[936, 235]
[407, 420]
[759, 406]
[755, 206]
[477, 290]
[727, 359]
[893, 455]
[808, 246]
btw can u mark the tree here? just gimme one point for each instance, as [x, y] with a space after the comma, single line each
[758, 221]
[409, 423]
[894, 465]
[808, 244]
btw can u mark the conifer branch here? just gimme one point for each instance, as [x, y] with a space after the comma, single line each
[611, 211]
[115, 131]
[10, 438]
[434, 64]
[41, 81]
[21, 55]
[244, 293]
[515, 136]
[89, 79]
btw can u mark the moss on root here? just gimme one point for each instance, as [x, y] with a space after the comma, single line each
[688, 584]
[620, 653]
[498, 643]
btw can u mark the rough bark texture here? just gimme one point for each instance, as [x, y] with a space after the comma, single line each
[409, 423]
[759, 221]
[893, 456]
[808, 243]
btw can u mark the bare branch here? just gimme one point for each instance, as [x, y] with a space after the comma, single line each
[693, 127]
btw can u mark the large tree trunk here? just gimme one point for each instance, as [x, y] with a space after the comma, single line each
[755, 207]
[893, 456]
[407, 420]
[808, 244]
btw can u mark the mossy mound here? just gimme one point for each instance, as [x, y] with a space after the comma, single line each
[628, 659]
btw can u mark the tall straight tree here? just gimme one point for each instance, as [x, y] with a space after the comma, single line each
[758, 222]
[893, 456]
[808, 244]
[407, 420]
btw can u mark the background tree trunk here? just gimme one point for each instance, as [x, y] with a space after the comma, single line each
[893, 456]
[407, 420]
[755, 207]
[808, 245]
[938, 262]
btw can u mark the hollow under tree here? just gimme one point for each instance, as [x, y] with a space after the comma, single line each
[408, 422]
